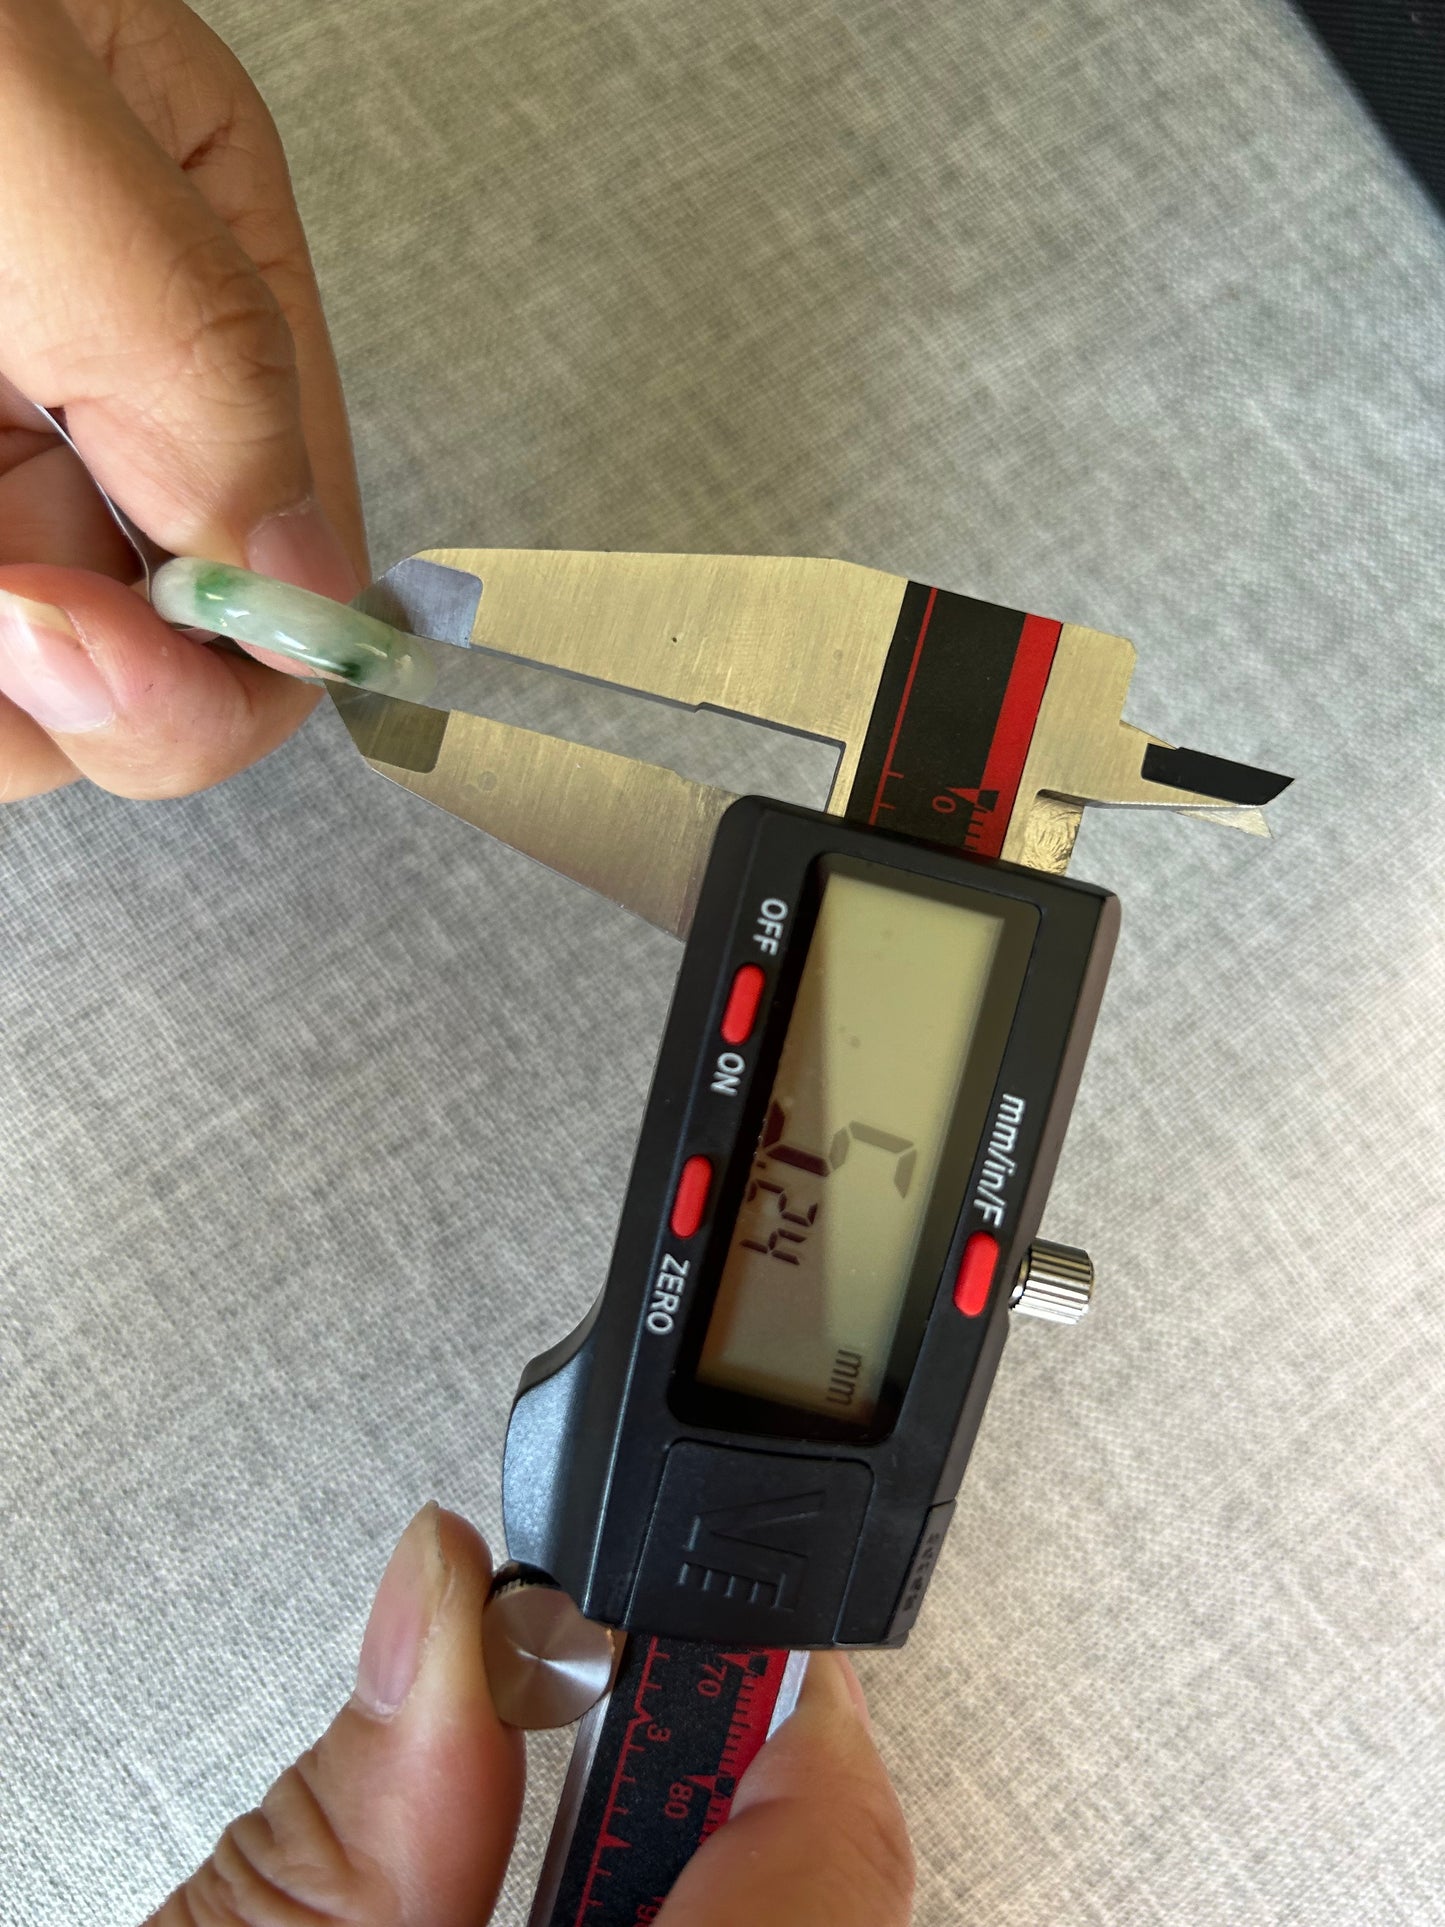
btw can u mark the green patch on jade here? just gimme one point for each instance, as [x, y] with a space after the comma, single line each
[311, 629]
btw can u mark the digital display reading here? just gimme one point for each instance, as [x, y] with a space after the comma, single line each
[818, 1269]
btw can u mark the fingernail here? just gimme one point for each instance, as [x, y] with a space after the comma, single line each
[45, 671]
[831, 1683]
[407, 1601]
[301, 547]
[853, 1687]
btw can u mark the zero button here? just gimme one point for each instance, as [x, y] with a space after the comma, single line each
[691, 1199]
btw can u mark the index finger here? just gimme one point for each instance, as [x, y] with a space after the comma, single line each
[816, 1836]
[125, 297]
[202, 109]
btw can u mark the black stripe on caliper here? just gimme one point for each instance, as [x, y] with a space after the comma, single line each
[952, 719]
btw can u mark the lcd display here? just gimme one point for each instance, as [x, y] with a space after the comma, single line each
[867, 1089]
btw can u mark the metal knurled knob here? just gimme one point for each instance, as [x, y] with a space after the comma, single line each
[1056, 1283]
[546, 1664]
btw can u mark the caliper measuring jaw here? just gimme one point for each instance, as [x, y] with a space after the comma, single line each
[867, 695]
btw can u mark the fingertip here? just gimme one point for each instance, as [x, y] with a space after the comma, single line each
[402, 1618]
[816, 1834]
[418, 1763]
[136, 706]
[465, 1551]
[45, 669]
[407, 1806]
[31, 763]
[300, 546]
[846, 1677]
[822, 1758]
[433, 1589]
[831, 1717]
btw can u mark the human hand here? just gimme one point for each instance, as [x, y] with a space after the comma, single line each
[403, 1814]
[155, 283]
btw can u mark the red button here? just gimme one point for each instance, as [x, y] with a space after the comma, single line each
[691, 1200]
[742, 1007]
[975, 1274]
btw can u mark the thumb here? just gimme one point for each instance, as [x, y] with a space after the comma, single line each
[402, 1815]
[816, 1836]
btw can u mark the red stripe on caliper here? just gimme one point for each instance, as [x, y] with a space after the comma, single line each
[748, 1728]
[685, 1723]
[953, 715]
[1008, 752]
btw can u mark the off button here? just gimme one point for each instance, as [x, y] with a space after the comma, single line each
[741, 1011]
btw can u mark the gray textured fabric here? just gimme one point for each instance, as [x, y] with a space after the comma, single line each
[316, 1107]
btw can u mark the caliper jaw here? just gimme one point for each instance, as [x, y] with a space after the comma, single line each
[798, 646]
[1083, 752]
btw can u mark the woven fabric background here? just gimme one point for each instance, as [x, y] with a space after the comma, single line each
[315, 1108]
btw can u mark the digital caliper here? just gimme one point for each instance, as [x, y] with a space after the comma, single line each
[751, 1446]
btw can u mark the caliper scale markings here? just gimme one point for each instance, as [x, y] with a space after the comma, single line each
[954, 716]
[682, 1726]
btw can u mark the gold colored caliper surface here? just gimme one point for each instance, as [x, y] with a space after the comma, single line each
[797, 643]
